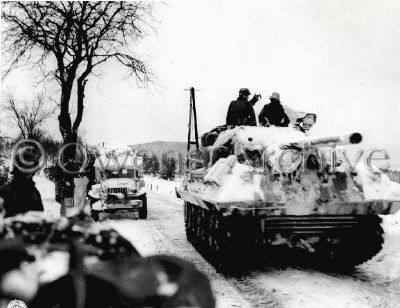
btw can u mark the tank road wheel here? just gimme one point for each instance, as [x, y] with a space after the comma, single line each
[194, 212]
[358, 247]
[143, 209]
[188, 211]
[193, 224]
[186, 215]
[221, 245]
[211, 237]
[203, 229]
[199, 222]
[216, 239]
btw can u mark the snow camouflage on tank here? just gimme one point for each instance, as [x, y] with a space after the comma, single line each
[272, 187]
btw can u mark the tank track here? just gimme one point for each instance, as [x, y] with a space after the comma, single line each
[343, 241]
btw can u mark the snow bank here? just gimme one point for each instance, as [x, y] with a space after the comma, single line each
[47, 192]
[160, 185]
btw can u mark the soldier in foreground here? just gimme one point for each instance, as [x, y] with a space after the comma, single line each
[21, 195]
[241, 111]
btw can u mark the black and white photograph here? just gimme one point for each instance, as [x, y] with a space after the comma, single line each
[200, 154]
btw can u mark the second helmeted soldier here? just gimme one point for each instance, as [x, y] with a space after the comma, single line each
[273, 113]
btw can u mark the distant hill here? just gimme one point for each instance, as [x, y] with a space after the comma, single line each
[161, 146]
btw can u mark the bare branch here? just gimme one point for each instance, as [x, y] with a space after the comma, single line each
[66, 40]
[29, 116]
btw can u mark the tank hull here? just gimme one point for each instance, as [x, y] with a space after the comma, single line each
[263, 208]
[232, 242]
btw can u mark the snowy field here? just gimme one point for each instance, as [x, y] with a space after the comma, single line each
[374, 284]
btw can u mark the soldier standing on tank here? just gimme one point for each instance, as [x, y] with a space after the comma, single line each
[273, 113]
[241, 111]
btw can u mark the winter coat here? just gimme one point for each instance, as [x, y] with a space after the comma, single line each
[273, 114]
[241, 112]
[20, 196]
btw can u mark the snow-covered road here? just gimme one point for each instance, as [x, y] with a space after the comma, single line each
[374, 284]
[163, 233]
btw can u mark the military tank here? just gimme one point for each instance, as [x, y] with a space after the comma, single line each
[259, 189]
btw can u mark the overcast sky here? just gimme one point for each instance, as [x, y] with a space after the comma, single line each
[339, 59]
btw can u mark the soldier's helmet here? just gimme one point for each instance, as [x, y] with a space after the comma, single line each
[244, 91]
[275, 95]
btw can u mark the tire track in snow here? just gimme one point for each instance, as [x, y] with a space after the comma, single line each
[308, 288]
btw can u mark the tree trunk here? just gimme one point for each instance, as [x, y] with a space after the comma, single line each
[66, 180]
[81, 84]
[69, 133]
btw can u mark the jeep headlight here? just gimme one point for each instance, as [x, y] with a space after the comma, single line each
[103, 194]
[132, 190]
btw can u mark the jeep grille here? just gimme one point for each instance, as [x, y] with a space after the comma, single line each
[122, 190]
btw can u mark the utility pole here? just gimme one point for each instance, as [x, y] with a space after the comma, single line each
[192, 123]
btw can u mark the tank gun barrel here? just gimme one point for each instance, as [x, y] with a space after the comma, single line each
[353, 138]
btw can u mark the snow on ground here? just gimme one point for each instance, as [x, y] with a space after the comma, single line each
[161, 186]
[163, 233]
[373, 284]
[47, 191]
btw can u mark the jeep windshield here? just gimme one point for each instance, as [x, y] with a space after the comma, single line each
[121, 174]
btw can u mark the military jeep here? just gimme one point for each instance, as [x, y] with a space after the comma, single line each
[121, 191]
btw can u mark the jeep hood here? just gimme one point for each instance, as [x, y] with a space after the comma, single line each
[110, 183]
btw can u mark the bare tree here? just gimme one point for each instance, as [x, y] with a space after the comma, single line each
[67, 40]
[29, 116]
